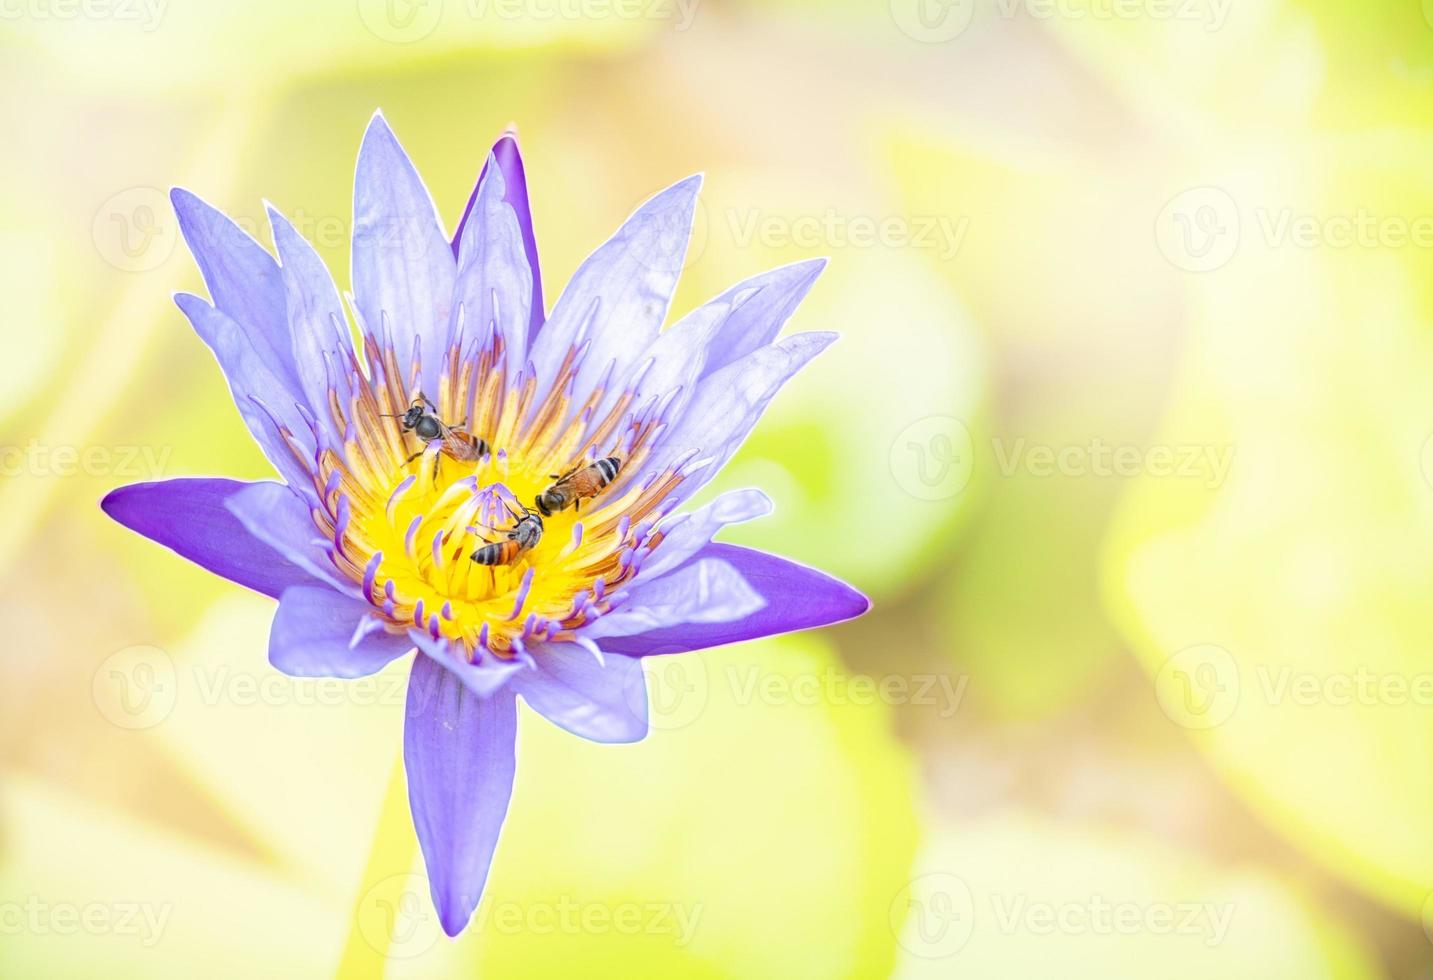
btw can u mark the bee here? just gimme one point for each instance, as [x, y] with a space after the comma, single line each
[521, 537]
[577, 484]
[458, 443]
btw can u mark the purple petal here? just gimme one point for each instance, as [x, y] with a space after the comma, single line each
[739, 321]
[243, 279]
[494, 285]
[619, 296]
[460, 753]
[726, 406]
[509, 161]
[277, 516]
[705, 590]
[684, 536]
[760, 306]
[318, 329]
[313, 633]
[189, 516]
[483, 678]
[667, 372]
[600, 702]
[797, 598]
[253, 386]
[403, 267]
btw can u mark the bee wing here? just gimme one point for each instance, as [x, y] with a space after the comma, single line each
[458, 444]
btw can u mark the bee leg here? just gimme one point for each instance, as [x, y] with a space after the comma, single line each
[413, 457]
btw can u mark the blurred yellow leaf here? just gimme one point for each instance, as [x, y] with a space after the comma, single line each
[1281, 612]
[85, 891]
[1012, 894]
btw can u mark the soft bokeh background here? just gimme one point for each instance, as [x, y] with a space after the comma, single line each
[1127, 435]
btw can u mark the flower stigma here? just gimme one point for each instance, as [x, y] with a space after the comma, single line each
[403, 520]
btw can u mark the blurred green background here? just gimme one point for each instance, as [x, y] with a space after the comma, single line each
[1127, 434]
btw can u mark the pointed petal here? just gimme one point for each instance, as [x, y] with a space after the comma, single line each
[619, 296]
[509, 160]
[277, 516]
[743, 319]
[313, 635]
[243, 279]
[704, 591]
[600, 702]
[403, 267]
[796, 598]
[460, 753]
[264, 400]
[189, 517]
[316, 322]
[687, 534]
[667, 372]
[494, 285]
[724, 409]
[760, 306]
[483, 678]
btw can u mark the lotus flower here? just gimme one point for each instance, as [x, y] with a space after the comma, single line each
[369, 541]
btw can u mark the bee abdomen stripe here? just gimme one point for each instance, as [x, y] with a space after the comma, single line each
[490, 554]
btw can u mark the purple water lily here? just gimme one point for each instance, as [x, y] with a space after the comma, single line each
[369, 542]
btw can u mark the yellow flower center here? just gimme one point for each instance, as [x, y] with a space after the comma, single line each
[405, 530]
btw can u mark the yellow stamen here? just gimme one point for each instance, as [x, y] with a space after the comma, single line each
[427, 517]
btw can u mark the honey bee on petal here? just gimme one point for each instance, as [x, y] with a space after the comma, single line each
[458, 444]
[521, 537]
[577, 485]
